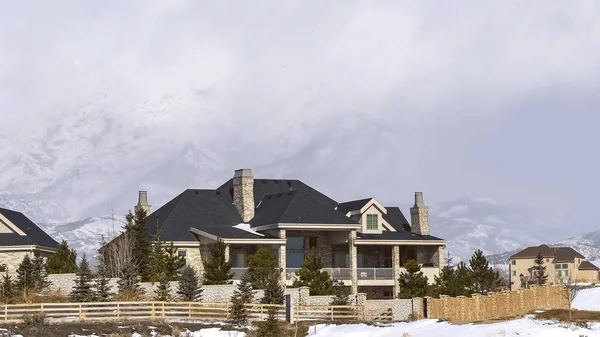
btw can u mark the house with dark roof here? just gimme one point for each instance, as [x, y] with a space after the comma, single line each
[563, 264]
[19, 236]
[361, 242]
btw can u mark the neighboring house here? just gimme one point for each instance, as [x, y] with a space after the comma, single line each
[562, 264]
[361, 242]
[19, 236]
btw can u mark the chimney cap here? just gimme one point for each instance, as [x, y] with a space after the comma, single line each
[143, 198]
[243, 173]
[419, 199]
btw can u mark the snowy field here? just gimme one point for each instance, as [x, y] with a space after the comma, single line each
[587, 299]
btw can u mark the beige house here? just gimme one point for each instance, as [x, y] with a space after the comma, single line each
[361, 242]
[19, 236]
[562, 264]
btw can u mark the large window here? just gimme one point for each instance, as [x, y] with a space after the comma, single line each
[294, 256]
[561, 270]
[372, 222]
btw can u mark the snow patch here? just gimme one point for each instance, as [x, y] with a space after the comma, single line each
[246, 227]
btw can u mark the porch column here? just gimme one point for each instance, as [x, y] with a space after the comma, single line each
[226, 253]
[442, 257]
[396, 269]
[281, 253]
[353, 262]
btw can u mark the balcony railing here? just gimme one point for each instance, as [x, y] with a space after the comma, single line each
[238, 272]
[375, 273]
[344, 273]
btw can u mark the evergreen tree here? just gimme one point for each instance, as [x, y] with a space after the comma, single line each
[242, 296]
[9, 292]
[311, 275]
[189, 288]
[541, 277]
[271, 327]
[217, 270]
[141, 253]
[63, 261]
[163, 290]
[157, 260]
[483, 277]
[102, 293]
[261, 265]
[273, 291]
[25, 278]
[412, 282]
[341, 292]
[128, 282]
[40, 274]
[173, 263]
[82, 291]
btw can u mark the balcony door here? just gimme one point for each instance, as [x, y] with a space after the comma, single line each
[294, 256]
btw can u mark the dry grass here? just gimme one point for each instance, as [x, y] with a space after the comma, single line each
[562, 315]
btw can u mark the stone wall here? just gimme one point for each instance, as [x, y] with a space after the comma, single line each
[12, 259]
[402, 308]
[496, 305]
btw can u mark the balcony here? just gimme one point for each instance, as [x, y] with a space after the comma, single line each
[375, 274]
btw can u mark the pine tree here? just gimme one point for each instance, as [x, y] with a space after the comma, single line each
[483, 277]
[141, 253]
[242, 296]
[40, 274]
[25, 278]
[82, 291]
[173, 263]
[101, 285]
[163, 290]
[217, 270]
[311, 275]
[273, 291]
[128, 282]
[541, 277]
[341, 293]
[412, 282]
[271, 327]
[63, 261]
[261, 265]
[189, 288]
[8, 293]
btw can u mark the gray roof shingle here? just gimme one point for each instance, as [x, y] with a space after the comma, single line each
[34, 234]
[560, 254]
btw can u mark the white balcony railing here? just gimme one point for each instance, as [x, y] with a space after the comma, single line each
[344, 273]
[375, 273]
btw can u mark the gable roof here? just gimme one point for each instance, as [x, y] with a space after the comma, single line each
[201, 209]
[560, 254]
[264, 187]
[587, 265]
[396, 219]
[34, 235]
[354, 205]
[297, 206]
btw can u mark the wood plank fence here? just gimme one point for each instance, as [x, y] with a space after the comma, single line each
[133, 311]
[343, 313]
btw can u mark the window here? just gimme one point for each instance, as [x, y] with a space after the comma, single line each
[565, 266]
[294, 256]
[312, 242]
[182, 253]
[372, 222]
[240, 260]
[514, 273]
[561, 270]
[514, 262]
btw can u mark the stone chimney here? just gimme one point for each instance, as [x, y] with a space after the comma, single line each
[419, 216]
[243, 193]
[143, 202]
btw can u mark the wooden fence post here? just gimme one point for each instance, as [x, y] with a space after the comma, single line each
[189, 310]
[261, 312]
[80, 313]
[332, 313]
[163, 310]
[152, 312]
[118, 310]
[6, 312]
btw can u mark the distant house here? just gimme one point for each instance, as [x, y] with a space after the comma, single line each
[562, 264]
[361, 242]
[19, 236]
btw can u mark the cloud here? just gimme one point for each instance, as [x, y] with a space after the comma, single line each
[438, 76]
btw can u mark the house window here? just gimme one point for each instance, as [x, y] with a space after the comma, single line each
[561, 270]
[514, 262]
[514, 273]
[240, 260]
[182, 254]
[312, 242]
[294, 256]
[372, 222]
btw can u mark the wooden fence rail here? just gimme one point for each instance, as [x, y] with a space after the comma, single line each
[133, 311]
[344, 313]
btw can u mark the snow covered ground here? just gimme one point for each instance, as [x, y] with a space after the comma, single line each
[431, 328]
[587, 299]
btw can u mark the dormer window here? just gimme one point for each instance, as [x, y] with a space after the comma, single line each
[372, 222]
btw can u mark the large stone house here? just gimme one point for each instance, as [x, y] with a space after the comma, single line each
[361, 242]
[19, 236]
[563, 264]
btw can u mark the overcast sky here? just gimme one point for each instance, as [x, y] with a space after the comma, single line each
[492, 99]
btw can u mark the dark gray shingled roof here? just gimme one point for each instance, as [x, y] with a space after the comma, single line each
[34, 234]
[264, 187]
[587, 265]
[560, 254]
[396, 219]
[207, 210]
[353, 205]
[297, 206]
[400, 235]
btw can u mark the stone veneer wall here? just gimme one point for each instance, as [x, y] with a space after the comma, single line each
[13, 259]
[402, 307]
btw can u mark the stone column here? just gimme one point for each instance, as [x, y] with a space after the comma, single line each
[353, 262]
[441, 256]
[396, 269]
[227, 253]
[282, 262]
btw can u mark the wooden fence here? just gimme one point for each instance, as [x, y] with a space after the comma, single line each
[132, 311]
[496, 305]
[343, 313]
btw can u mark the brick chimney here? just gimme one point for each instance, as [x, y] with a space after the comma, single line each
[243, 193]
[419, 216]
[143, 202]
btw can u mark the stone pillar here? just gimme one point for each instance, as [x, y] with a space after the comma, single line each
[303, 295]
[441, 256]
[227, 257]
[477, 307]
[143, 203]
[282, 259]
[396, 269]
[419, 216]
[243, 193]
[361, 299]
[353, 258]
